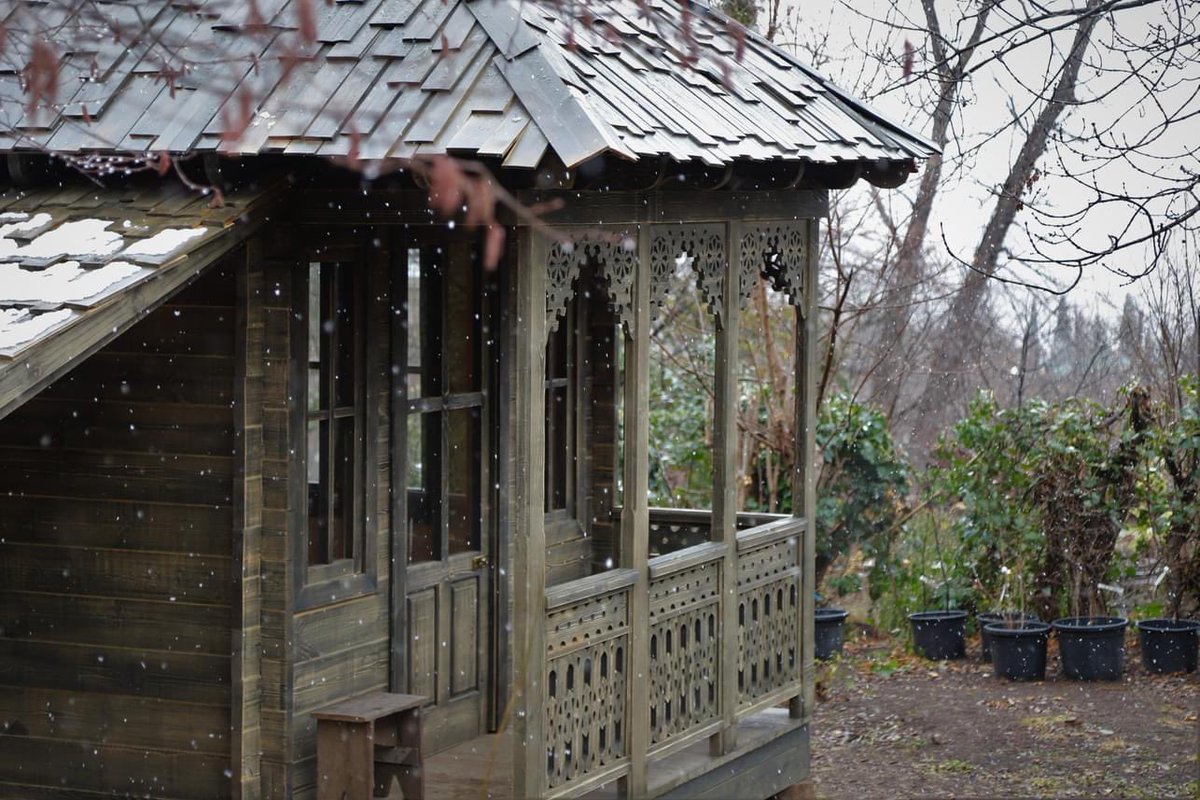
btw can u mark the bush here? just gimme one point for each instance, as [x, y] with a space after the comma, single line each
[1042, 493]
[862, 484]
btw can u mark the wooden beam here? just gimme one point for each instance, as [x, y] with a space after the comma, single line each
[724, 516]
[635, 519]
[807, 337]
[528, 531]
[407, 207]
[625, 208]
[246, 645]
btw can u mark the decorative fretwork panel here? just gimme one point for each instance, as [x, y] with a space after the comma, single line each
[684, 651]
[779, 252]
[768, 619]
[587, 652]
[573, 626]
[703, 247]
[611, 253]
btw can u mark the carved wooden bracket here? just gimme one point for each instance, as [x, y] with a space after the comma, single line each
[703, 247]
[778, 251]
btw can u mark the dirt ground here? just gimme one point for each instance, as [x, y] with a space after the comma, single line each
[890, 725]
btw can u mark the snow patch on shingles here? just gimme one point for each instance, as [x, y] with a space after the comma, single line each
[16, 223]
[65, 282]
[18, 326]
[82, 238]
[165, 243]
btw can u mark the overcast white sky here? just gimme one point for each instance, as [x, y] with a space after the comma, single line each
[963, 206]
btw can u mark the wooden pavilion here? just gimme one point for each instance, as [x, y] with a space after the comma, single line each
[262, 457]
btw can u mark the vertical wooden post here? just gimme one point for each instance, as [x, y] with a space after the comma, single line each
[246, 647]
[635, 517]
[529, 535]
[397, 277]
[805, 471]
[724, 515]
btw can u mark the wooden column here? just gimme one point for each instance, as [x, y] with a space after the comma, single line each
[724, 514]
[246, 647]
[635, 517]
[805, 476]
[528, 531]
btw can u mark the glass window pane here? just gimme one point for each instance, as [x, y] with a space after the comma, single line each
[341, 539]
[462, 320]
[560, 461]
[318, 491]
[464, 479]
[424, 487]
[413, 317]
[343, 334]
[314, 313]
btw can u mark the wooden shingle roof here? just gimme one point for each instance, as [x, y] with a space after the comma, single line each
[80, 265]
[508, 79]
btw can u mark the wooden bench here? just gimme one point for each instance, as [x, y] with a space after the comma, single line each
[363, 743]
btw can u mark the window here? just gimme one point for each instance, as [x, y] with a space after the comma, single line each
[443, 382]
[331, 324]
[560, 416]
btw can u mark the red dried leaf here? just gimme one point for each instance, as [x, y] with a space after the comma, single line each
[307, 19]
[87, 118]
[445, 186]
[163, 165]
[218, 198]
[493, 247]
[908, 59]
[41, 75]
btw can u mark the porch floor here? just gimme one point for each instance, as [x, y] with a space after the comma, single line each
[481, 768]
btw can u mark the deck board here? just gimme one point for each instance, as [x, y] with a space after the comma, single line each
[481, 768]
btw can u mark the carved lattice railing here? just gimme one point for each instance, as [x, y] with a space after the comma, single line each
[685, 646]
[587, 681]
[769, 608]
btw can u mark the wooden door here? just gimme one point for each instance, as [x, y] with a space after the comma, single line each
[447, 463]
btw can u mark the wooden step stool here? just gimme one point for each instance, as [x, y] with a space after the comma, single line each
[363, 743]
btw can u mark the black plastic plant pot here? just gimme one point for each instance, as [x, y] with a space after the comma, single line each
[939, 635]
[989, 617]
[1168, 645]
[828, 632]
[1019, 649]
[1092, 648]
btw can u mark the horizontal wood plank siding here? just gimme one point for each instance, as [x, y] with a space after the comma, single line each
[115, 572]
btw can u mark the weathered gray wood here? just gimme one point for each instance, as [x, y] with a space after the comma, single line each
[807, 336]
[623, 207]
[246, 645]
[724, 517]
[596, 585]
[635, 519]
[686, 558]
[528, 498]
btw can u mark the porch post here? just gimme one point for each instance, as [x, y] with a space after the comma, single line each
[724, 513]
[805, 474]
[528, 531]
[635, 516]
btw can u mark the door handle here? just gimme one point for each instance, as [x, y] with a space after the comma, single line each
[480, 562]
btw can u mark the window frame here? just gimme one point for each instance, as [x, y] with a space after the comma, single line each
[344, 578]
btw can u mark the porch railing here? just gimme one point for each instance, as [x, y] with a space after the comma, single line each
[587, 716]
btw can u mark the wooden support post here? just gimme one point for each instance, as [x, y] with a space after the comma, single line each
[724, 515]
[529, 535]
[635, 518]
[806, 453]
[246, 647]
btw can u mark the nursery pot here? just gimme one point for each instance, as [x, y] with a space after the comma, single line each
[1169, 645]
[1019, 649]
[828, 632]
[939, 635]
[987, 618]
[1092, 648]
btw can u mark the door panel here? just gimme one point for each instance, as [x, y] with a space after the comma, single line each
[446, 387]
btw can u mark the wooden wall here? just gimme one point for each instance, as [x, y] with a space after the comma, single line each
[116, 520]
[313, 657]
